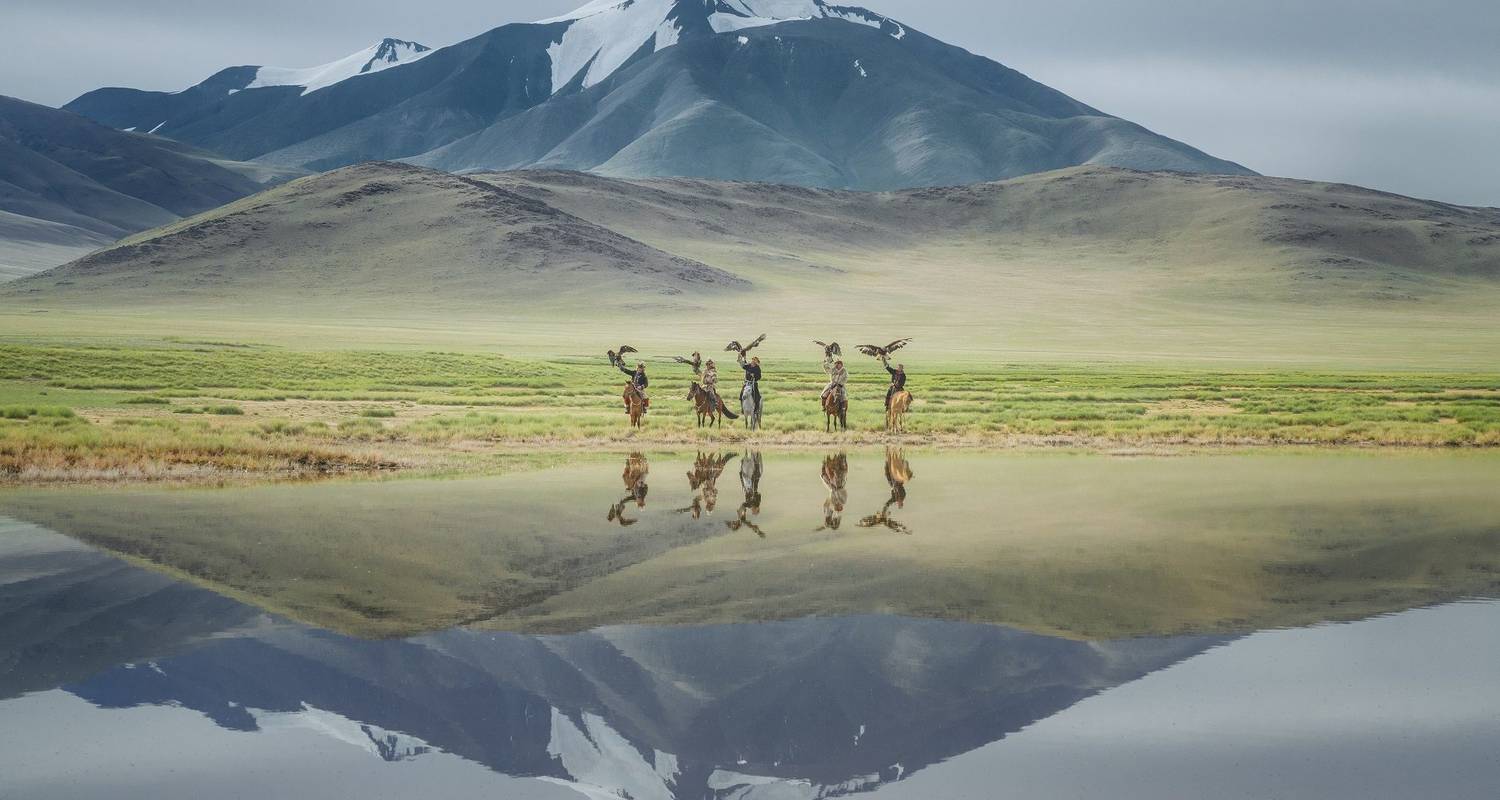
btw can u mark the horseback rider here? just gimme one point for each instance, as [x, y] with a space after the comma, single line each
[898, 379]
[838, 378]
[710, 383]
[638, 383]
[752, 375]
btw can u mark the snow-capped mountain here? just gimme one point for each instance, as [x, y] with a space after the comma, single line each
[791, 91]
[382, 55]
[604, 35]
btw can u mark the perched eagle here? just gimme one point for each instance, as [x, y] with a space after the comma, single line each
[735, 347]
[696, 362]
[830, 349]
[619, 358]
[876, 351]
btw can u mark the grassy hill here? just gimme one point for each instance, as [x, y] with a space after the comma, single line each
[1082, 264]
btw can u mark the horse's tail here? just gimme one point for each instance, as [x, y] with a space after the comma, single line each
[724, 409]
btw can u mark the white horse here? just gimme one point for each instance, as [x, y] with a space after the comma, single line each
[749, 407]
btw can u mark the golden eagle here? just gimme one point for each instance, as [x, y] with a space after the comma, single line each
[696, 362]
[876, 351]
[619, 357]
[736, 347]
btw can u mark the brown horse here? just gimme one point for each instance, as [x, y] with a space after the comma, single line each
[895, 416]
[836, 410]
[635, 405]
[634, 476]
[710, 407]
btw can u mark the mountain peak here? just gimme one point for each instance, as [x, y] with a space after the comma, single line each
[603, 35]
[391, 52]
[386, 53]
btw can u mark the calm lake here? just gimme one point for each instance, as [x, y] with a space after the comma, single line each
[767, 625]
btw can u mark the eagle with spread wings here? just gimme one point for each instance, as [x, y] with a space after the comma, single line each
[696, 362]
[619, 357]
[876, 351]
[736, 347]
[830, 349]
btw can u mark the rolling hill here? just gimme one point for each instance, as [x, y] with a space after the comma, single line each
[787, 91]
[382, 234]
[1087, 261]
[69, 185]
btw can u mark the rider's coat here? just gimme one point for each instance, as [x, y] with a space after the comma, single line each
[838, 376]
[638, 378]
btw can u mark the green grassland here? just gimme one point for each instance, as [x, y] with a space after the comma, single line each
[1079, 545]
[193, 408]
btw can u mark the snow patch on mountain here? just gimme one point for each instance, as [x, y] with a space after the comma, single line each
[383, 744]
[604, 763]
[759, 13]
[375, 58]
[601, 36]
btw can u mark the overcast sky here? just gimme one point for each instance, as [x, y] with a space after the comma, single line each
[1394, 94]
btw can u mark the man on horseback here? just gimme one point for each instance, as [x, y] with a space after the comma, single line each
[750, 401]
[638, 383]
[838, 379]
[898, 380]
[752, 375]
[711, 385]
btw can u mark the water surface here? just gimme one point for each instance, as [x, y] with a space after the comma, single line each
[759, 625]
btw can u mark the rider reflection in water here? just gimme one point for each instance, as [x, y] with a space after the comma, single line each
[835, 474]
[703, 479]
[636, 470]
[897, 474]
[750, 472]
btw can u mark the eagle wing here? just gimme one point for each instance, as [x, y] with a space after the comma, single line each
[754, 344]
[874, 351]
[896, 345]
[625, 348]
[734, 347]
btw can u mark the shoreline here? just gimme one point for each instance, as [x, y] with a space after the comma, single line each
[492, 459]
[203, 414]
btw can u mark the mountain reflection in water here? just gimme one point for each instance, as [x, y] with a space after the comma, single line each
[829, 705]
[111, 671]
[1055, 626]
